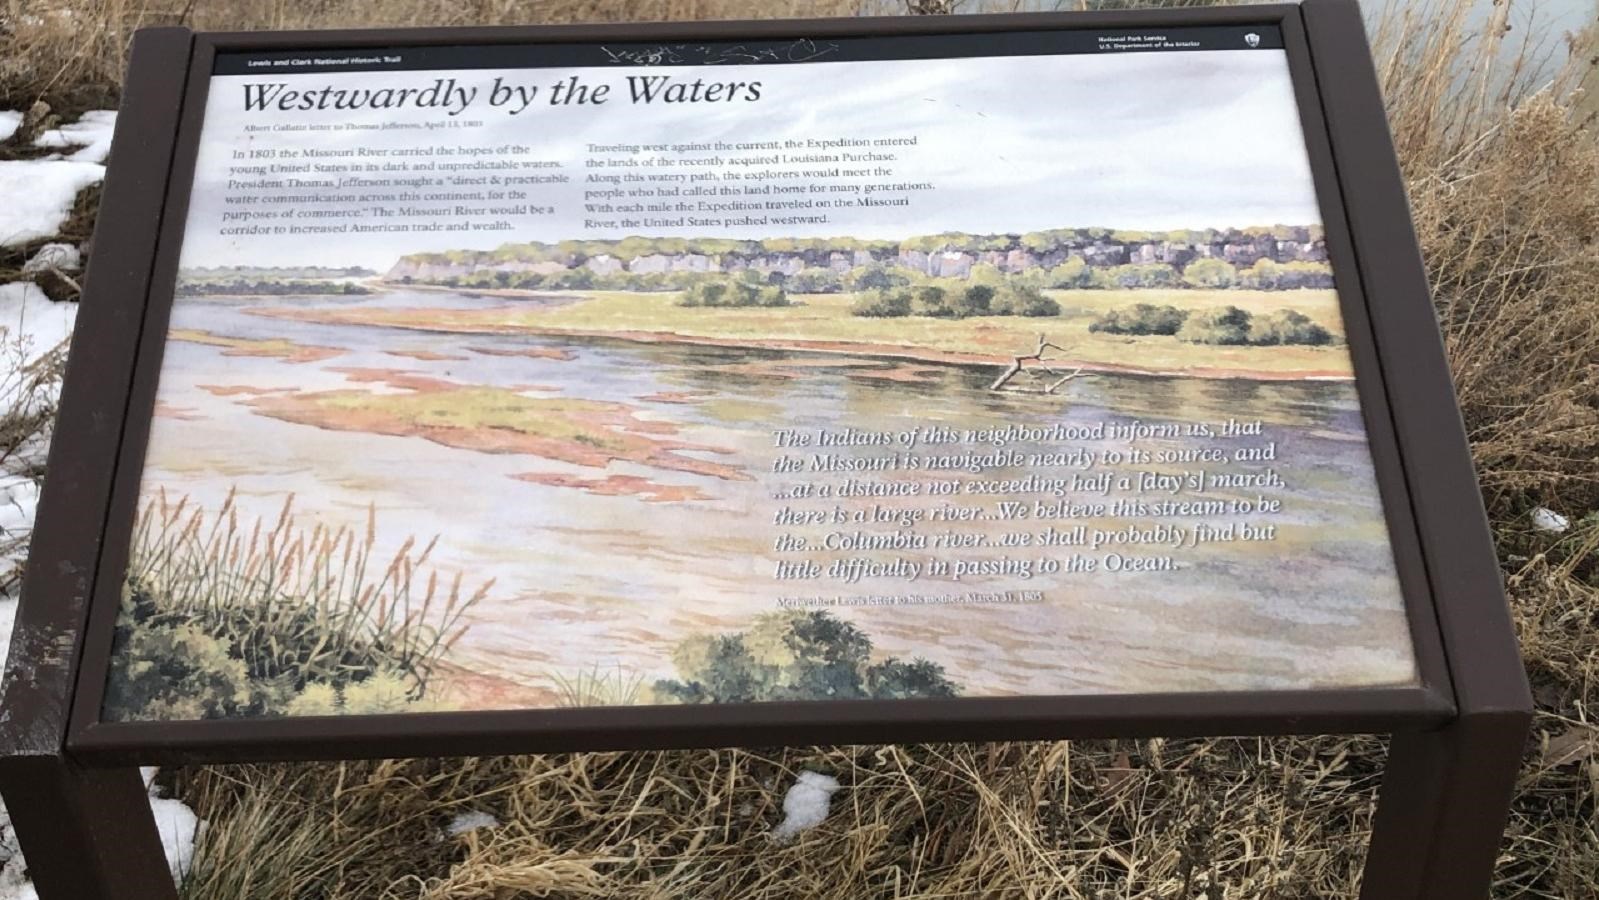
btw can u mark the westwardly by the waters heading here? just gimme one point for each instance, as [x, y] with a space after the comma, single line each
[455, 97]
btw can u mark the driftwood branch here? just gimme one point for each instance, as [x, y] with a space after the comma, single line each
[1041, 362]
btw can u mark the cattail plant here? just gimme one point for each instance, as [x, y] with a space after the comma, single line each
[295, 605]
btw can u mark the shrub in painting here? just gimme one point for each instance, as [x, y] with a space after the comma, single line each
[882, 303]
[220, 620]
[1141, 318]
[795, 656]
[1020, 300]
[1287, 326]
[1212, 274]
[948, 298]
[815, 280]
[749, 290]
[1228, 325]
[895, 679]
[173, 669]
[933, 300]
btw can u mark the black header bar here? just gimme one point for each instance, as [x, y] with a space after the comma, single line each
[713, 53]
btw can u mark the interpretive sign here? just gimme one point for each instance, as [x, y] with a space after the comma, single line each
[987, 377]
[585, 382]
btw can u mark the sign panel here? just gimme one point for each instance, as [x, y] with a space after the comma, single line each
[578, 375]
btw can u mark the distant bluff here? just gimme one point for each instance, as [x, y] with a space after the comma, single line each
[947, 255]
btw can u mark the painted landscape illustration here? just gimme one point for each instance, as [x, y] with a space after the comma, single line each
[542, 475]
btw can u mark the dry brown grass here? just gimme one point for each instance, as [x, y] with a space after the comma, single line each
[70, 52]
[1505, 185]
[1502, 180]
[27, 412]
[1503, 174]
[1129, 820]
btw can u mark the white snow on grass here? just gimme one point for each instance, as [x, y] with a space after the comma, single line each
[38, 196]
[14, 885]
[177, 824]
[8, 618]
[471, 820]
[38, 193]
[805, 805]
[180, 828]
[1545, 519]
[91, 134]
[32, 324]
[13, 880]
[19, 505]
[53, 256]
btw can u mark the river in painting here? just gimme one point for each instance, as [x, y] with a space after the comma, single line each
[611, 565]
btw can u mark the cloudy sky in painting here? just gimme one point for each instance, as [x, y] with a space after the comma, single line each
[1011, 144]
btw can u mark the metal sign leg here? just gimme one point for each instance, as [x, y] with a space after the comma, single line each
[87, 834]
[1441, 814]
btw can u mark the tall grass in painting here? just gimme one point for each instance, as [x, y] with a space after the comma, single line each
[221, 618]
[598, 686]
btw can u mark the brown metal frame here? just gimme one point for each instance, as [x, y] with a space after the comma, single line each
[1372, 709]
[87, 834]
[1457, 733]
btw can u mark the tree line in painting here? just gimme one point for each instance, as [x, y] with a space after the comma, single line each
[1073, 274]
[1275, 258]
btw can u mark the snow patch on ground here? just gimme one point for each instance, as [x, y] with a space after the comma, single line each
[32, 326]
[32, 323]
[53, 256]
[471, 820]
[8, 619]
[13, 884]
[805, 805]
[35, 199]
[38, 193]
[180, 828]
[1545, 519]
[38, 196]
[91, 133]
[19, 504]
